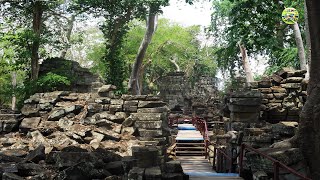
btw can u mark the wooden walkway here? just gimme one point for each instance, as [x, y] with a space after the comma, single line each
[195, 164]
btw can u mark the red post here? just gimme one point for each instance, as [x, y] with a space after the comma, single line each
[241, 159]
[276, 170]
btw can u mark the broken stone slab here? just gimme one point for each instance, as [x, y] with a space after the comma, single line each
[153, 173]
[14, 152]
[145, 156]
[253, 131]
[150, 133]
[108, 134]
[29, 123]
[246, 101]
[153, 110]
[153, 98]
[30, 110]
[291, 85]
[278, 112]
[264, 84]
[107, 88]
[103, 100]
[128, 131]
[278, 89]
[80, 129]
[11, 176]
[118, 117]
[267, 96]
[117, 128]
[148, 124]
[121, 116]
[56, 114]
[238, 108]
[294, 111]
[116, 102]
[276, 78]
[264, 101]
[280, 95]
[33, 99]
[128, 122]
[294, 80]
[284, 71]
[244, 117]
[8, 167]
[175, 176]
[296, 73]
[127, 97]
[245, 94]
[65, 123]
[115, 108]
[109, 94]
[260, 175]
[9, 159]
[45, 107]
[8, 125]
[31, 169]
[130, 108]
[36, 155]
[94, 108]
[286, 129]
[37, 137]
[68, 159]
[173, 167]
[263, 138]
[265, 90]
[136, 173]
[115, 168]
[131, 103]
[151, 104]
[148, 116]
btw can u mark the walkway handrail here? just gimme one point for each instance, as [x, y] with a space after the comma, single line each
[276, 164]
[201, 125]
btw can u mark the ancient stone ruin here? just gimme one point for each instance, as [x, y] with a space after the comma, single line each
[198, 99]
[67, 135]
[262, 116]
[82, 80]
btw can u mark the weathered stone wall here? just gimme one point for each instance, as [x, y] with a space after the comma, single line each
[200, 99]
[284, 94]
[82, 80]
[85, 135]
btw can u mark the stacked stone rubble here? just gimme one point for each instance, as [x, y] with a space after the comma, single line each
[284, 94]
[99, 128]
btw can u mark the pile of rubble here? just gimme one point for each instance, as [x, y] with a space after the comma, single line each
[284, 94]
[64, 135]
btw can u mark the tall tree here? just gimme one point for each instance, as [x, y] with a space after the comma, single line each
[37, 11]
[309, 118]
[151, 25]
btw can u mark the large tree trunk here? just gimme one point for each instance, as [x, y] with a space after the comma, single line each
[308, 43]
[68, 36]
[133, 85]
[309, 127]
[300, 46]
[245, 62]
[36, 26]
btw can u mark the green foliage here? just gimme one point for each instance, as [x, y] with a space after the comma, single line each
[170, 41]
[286, 58]
[51, 82]
[255, 23]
